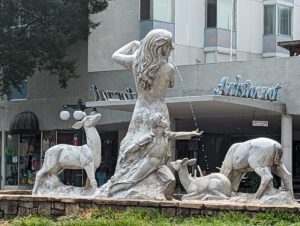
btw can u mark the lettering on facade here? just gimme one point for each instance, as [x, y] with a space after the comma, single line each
[246, 90]
[107, 95]
[256, 123]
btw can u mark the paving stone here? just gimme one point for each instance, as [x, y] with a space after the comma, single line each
[11, 197]
[40, 198]
[170, 212]
[250, 213]
[252, 207]
[57, 212]
[182, 212]
[125, 202]
[151, 203]
[10, 207]
[212, 206]
[59, 205]
[190, 205]
[27, 198]
[102, 201]
[71, 208]
[44, 208]
[169, 203]
[26, 204]
[149, 208]
[207, 212]
[9, 216]
[68, 200]
[85, 205]
[24, 211]
[232, 207]
[34, 211]
[195, 212]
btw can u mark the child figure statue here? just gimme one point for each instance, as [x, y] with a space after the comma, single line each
[154, 146]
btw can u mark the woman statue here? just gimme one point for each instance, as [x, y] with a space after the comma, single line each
[153, 76]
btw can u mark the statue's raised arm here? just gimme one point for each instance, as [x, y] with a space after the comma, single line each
[126, 54]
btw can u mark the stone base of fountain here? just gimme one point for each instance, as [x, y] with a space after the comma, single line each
[12, 205]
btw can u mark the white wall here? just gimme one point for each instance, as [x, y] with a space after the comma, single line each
[250, 25]
[119, 25]
[296, 20]
[189, 30]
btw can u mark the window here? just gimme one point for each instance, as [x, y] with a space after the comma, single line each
[145, 10]
[163, 10]
[160, 10]
[221, 14]
[15, 94]
[269, 19]
[284, 20]
[211, 15]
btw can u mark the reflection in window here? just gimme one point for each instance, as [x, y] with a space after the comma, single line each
[284, 20]
[211, 15]
[160, 10]
[145, 10]
[221, 14]
[163, 10]
[16, 94]
[269, 19]
[225, 14]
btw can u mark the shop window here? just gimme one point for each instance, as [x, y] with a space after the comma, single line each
[29, 159]
[269, 19]
[16, 94]
[11, 157]
[284, 20]
[221, 14]
[48, 141]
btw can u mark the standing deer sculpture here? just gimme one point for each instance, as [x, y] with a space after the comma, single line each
[261, 155]
[64, 156]
[213, 186]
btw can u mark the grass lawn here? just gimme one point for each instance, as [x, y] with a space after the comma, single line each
[141, 217]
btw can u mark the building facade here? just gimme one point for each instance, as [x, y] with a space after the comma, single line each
[204, 31]
[211, 38]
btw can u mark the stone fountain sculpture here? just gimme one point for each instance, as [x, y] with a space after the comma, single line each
[262, 155]
[214, 186]
[64, 156]
[141, 170]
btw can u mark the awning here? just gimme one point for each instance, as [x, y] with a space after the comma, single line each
[292, 46]
[24, 123]
[207, 105]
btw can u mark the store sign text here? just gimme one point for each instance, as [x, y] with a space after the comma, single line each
[107, 95]
[246, 90]
[257, 123]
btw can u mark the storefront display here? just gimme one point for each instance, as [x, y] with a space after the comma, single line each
[11, 152]
[24, 156]
[48, 140]
[29, 159]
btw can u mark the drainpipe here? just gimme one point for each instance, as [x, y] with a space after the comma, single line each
[231, 28]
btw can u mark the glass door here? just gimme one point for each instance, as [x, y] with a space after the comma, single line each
[11, 160]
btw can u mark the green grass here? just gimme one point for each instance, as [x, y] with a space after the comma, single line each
[139, 217]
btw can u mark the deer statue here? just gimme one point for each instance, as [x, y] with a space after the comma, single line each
[213, 186]
[64, 156]
[261, 155]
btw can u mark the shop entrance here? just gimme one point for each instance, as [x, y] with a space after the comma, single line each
[22, 151]
[296, 166]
